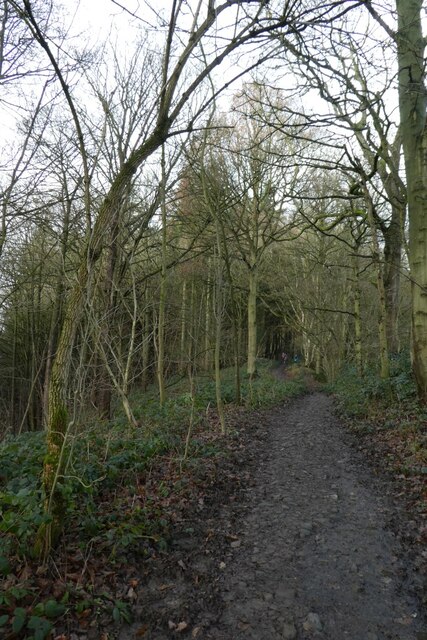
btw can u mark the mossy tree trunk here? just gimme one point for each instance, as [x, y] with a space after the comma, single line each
[413, 105]
[57, 424]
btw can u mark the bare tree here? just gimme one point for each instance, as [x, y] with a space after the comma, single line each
[181, 75]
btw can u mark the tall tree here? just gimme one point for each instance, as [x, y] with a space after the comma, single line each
[356, 87]
[411, 45]
[171, 101]
[173, 111]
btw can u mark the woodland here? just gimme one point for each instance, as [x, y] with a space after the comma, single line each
[199, 189]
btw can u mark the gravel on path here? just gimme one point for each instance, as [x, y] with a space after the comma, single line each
[315, 558]
[292, 543]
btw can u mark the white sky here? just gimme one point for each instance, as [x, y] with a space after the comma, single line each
[101, 20]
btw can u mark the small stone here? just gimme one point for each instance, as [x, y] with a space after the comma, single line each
[284, 592]
[131, 594]
[289, 631]
[235, 544]
[256, 604]
[312, 623]
[222, 565]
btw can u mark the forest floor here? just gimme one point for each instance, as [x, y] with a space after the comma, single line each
[299, 524]
[295, 533]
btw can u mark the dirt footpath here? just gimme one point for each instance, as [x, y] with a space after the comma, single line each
[301, 551]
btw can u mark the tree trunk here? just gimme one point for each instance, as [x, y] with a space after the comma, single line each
[162, 295]
[357, 321]
[57, 426]
[393, 237]
[208, 313]
[218, 328]
[252, 322]
[191, 334]
[146, 338]
[183, 352]
[412, 106]
[13, 373]
[237, 336]
[376, 259]
[103, 390]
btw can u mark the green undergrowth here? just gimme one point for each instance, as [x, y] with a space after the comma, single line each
[265, 390]
[112, 503]
[361, 396]
[387, 414]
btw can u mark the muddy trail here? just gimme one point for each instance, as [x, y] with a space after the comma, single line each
[293, 542]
